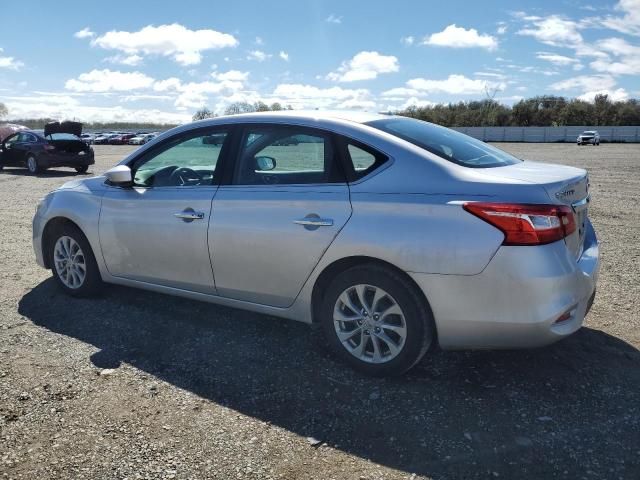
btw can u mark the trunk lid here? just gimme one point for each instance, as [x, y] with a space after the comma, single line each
[74, 128]
[564, 185]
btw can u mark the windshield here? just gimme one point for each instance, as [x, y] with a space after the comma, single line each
[445, 143]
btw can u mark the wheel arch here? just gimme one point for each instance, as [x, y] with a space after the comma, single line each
[47, 236]
[338, 266]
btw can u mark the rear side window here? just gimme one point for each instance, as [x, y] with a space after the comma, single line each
[446, 143]
[274, 154]
[362, 159]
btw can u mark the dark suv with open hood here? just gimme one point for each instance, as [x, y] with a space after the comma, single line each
[58, 145]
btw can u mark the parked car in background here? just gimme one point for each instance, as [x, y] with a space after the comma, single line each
[59, 145]
[141, 139]
[122, 139]
[589, 137]
[104, 138]
[391, 233]
[87, 138]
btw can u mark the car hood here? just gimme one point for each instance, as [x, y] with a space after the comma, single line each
[74, 128]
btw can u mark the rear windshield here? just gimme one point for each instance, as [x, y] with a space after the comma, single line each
[446, 143]
[62, 136]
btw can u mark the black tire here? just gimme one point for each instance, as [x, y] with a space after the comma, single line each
[82, 169]
[420, 329]
[92, 284]
[32, 165]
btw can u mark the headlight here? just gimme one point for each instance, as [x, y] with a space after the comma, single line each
[82, 152]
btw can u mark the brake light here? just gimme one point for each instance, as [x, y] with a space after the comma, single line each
[524, 224]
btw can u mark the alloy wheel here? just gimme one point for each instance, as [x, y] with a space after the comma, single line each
[69, 262]
[369, 323]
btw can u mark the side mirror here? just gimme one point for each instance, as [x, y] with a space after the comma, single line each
[265, 164]
[119, 175]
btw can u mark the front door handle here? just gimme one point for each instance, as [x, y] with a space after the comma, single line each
[314, 220]
[189, 215]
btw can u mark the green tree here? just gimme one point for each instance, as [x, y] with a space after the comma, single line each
[239, 107]
[202, 114]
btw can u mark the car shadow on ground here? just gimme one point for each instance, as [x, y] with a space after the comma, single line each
[44, 174]
[560, 411]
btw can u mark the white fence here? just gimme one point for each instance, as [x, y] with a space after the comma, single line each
[550, 134]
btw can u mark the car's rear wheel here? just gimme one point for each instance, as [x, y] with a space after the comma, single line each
[32, 165]
[73, 263]
[376, 321]
[82, 169]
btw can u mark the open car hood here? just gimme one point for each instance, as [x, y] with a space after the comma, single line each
[74, 128]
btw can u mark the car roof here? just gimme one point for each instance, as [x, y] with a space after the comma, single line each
[351, 116]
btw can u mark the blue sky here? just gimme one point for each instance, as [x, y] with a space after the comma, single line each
[162, 61]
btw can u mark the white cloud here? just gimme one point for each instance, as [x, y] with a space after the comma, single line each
[458, 37]
[628, 57]
[502, 28]
[364, 66]
[333, 19]
[168, 84]
[10, 62]
[197, 94]
[130, 60]
[408, 41]
[107, 80]
[455, 85]
[65, 107]
[554, 30]
[592, 85]
[231, 76]
[554, 58]
[284, 55]
[183, 45]
[259, 41]
[258, 55]
[629, 22]
[309, 96]
[84, 33]
[401, 92]
[617, 95]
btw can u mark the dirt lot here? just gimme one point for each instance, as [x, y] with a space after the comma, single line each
[139, 385]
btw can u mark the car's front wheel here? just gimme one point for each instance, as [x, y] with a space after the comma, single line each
[82, 169]
[73, 264]
[376, 320]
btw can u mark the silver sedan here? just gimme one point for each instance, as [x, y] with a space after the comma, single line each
[392, 234]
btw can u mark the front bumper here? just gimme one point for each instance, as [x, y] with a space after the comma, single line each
[37, 228]
[516, 300]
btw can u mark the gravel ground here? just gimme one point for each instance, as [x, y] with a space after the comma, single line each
[139, 385]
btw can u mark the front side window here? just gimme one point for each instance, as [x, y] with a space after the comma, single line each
[185, 162]
[285, 155]
[446, 143]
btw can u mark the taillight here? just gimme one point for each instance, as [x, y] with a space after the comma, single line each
[524, 224]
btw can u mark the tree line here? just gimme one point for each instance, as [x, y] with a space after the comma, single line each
[241, 107]
[540, 111]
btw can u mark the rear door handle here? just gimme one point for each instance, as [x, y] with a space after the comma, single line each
[189, 215]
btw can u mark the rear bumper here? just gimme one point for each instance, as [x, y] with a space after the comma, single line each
[66, 160]
[516, 300]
